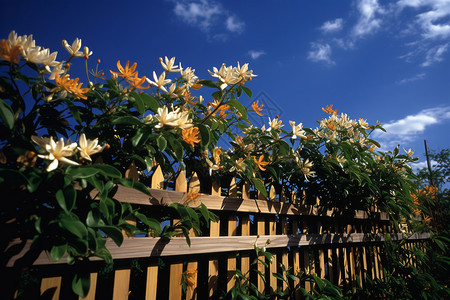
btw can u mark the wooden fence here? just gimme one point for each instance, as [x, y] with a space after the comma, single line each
[309, 238]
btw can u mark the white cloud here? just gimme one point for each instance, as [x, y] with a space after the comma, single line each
[234, 25]
[254, 54]
[369, 21]
[201, 13]
[320, 53]
[332, 26]
[433, 21]
[206, 14]
[419, 76]
[417, 166]
[410, 127]
[435, 55]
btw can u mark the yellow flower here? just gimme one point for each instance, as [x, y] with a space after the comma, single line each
[137, 82]
[190, 135]
[72, 86]
[128, 72]
[257, 108]
[261, 164]
[216, 155]
[329, 110]
[191, 196]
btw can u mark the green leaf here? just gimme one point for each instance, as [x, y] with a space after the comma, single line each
[138, 103]
[82, 172]
[150, 102]
[259, 185]
[176, 147]
[66, 198]
[208, 83]
[107, 170]
[6, 114]
[72, 224]
[129, 182]
[204, 133]
[81, 283]
[247, 91]
[58, 251]
[162, 143]
[8, 176]
[240, 108]
[126, 120]
[114, 233]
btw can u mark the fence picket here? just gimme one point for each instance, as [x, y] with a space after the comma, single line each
[214, 230]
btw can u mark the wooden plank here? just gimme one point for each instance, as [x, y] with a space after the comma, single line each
[273, 281]
[50, 284]
[231, 261]
[217, 202]
[321, 272]
[176, 268]
[245, 229]
[214, 231]
[92, 289]
[261, 229]
[306, 260]
[285, 253]
[192, 266]
[152, 282]
[176, 273]
[136, 247]
[121, 284]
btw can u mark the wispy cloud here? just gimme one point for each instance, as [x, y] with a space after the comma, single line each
[417, 77]
[208, 15]
[433, 19]
[254, 54]
[409, 128]
[435, 55]
[200, 14]
[234, 25]
[369, 18]
[320, 53]
[332, 26]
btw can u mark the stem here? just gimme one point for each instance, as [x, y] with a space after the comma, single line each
[220, 103]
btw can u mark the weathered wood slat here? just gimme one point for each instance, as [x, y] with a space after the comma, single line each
[150, 247]
[216, 202]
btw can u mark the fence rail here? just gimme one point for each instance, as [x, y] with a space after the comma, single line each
[324, 241]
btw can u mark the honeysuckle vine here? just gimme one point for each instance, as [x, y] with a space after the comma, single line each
[171, 119]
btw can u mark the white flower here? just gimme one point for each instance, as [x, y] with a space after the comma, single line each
[168, 65]
[275, 123]
[174, 118]
[87, 52]
[73, 50]
[159, 82]
[57, 151]
[297, 131]
[56, 71]
[227, 75]
[244, 72]
[25, 42]
[88, 147]
[37, 56]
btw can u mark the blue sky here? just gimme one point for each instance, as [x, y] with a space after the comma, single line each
[379, 60]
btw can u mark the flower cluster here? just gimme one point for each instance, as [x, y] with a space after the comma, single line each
[59, 151]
